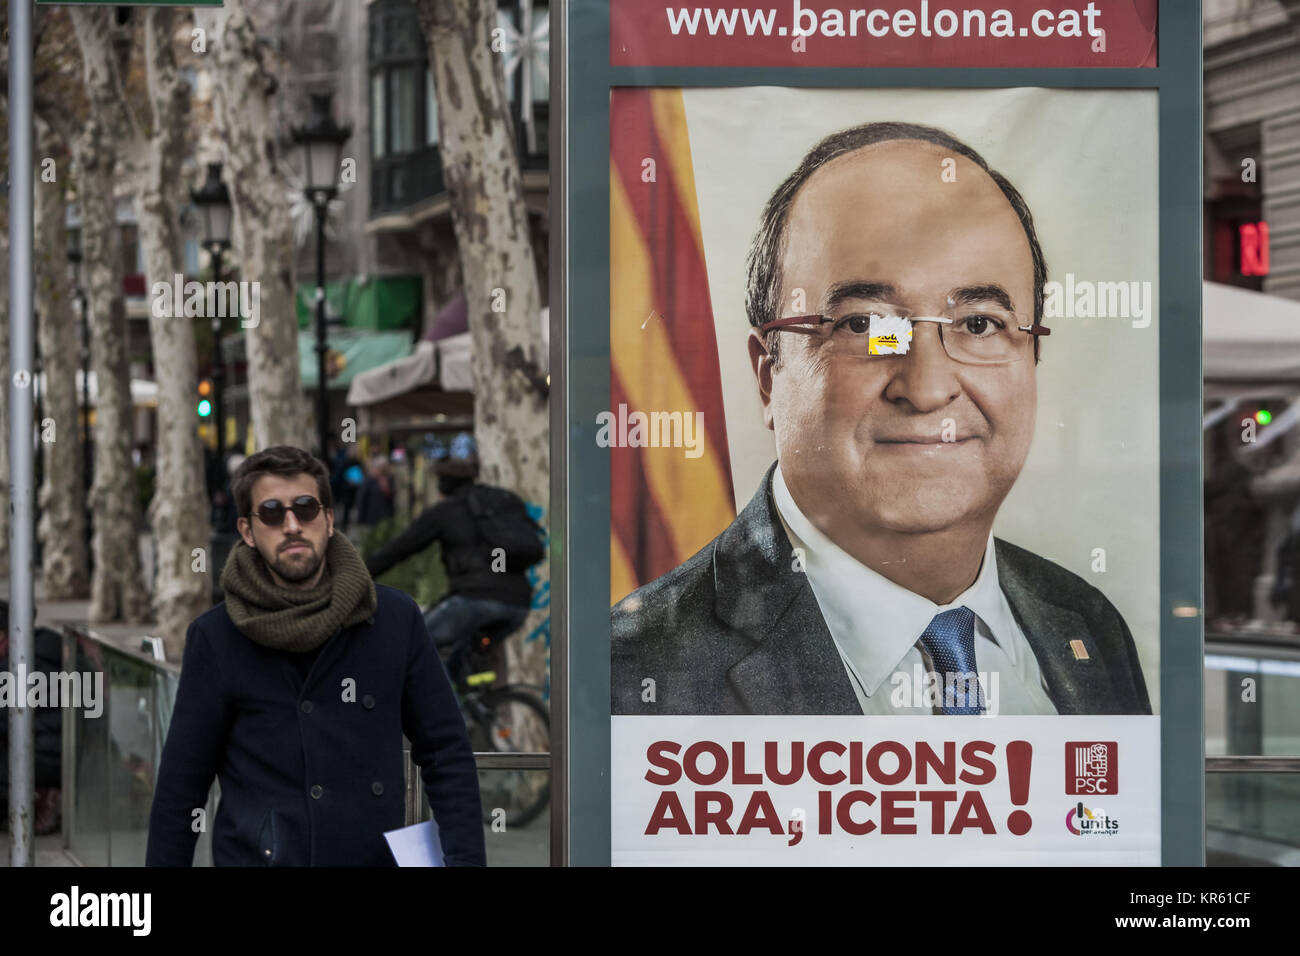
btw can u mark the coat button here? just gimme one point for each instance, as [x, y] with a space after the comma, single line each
[377, 788]
[368, 702]
[317, 791]
[305, 706]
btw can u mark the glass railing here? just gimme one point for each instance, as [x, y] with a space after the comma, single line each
[1252, 819]
[1252, 748]
[110, 760]
[527, 842]
[1252, 694]
[110, 764]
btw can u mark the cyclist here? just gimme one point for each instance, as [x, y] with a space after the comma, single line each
[488, 544]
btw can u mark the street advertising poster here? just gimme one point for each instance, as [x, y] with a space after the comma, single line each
[884, 436]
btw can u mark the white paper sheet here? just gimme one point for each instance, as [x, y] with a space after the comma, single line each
[416, 845]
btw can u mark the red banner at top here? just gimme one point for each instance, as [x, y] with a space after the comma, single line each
[938, 33]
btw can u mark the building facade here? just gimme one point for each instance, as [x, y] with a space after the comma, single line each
[1251, 241]
[391, 257]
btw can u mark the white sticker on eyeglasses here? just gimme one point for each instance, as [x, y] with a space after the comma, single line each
[888, 335]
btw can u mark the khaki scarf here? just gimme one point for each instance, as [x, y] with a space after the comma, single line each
[293, 620]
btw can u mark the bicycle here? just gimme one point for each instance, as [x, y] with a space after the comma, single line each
[510, 718]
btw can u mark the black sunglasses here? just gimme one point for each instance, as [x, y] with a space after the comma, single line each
[305, 508]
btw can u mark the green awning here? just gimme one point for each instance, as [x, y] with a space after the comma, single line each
[362, 349]
[391, 302]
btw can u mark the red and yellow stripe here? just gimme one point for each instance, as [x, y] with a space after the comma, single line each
[663, 348]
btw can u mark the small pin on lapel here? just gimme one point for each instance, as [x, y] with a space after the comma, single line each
[1080, 652]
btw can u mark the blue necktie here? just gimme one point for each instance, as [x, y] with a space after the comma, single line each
[950, 640]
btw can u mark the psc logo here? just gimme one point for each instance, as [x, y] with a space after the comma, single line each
[1092, 767]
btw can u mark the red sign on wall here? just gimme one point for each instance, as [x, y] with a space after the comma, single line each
[1254, 248]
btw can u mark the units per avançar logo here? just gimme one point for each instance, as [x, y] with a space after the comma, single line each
[1090, 821]
[1091, 767]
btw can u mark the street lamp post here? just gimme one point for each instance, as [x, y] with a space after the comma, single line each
[322, 144]
[213, 201]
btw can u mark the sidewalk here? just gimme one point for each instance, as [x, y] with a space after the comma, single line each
[49, 851]
[54, 614]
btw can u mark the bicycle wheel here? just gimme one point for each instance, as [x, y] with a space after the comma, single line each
[515, 721]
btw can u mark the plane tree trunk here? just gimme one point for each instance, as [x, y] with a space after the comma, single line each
[481, 170]
[62, 525]
[117, 591]
[178, 515]
[243, 98]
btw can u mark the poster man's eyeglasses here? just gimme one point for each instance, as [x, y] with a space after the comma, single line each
[272, 512]
[983, 337]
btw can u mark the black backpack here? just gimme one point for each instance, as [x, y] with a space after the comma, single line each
[503, 521]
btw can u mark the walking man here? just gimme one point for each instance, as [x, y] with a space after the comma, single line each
[295, 693]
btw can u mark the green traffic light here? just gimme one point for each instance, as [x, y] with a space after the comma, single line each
[1263, 416]
[205, 408]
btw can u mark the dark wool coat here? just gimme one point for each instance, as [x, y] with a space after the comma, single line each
[313, 776]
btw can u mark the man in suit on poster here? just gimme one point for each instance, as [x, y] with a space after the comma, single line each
[895, 291]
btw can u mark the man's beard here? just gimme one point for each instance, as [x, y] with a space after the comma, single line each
[297, 571]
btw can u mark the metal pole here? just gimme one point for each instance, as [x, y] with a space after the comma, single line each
[38, 411]
[559, 290]
[218, 377]
[21, 764]
[322, 346]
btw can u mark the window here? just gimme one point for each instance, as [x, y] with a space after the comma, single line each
[403, 109]
[405, 166]
[130, 238]
[527, 71]
[527, 51]
[1234, 210]
[540, 62]
[398, 61]
[377, 126]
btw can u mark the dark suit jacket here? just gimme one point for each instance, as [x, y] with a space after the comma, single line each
[736, 630]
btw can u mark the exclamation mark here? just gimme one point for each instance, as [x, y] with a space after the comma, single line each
[1020, 756]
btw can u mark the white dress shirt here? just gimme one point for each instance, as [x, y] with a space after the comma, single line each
[877, 624]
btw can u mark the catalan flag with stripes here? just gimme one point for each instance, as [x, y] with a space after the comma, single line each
[665, 506]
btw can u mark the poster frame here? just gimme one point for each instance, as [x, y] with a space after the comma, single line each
[580, 82]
